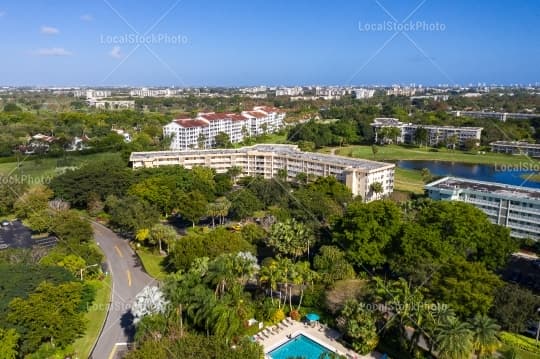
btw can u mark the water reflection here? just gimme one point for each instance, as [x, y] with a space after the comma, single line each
[479, 172]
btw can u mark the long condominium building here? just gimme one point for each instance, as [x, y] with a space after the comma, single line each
[435, 134]
[517, 208]
[269, 160]
[516, 148]
[200, 132]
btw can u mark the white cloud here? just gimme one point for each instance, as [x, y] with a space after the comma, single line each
[87, 17]
[116, 52]
[2, 13]
[53, 51]
[49, 30]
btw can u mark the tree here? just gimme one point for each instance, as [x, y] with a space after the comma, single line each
[377, 188]
[11, 188]
[192, 206]
[105, 178]
[39, 324]
[222, 140]
[418, 252]
[366, 229]
[219, 208]
[188, 248]
[374, 150]
[9, 339]
[35, 200]
[452, 141]
[290, 238]
[485, 340]
[421, 136]
[454, 340]
[359, 324]
[332, 265]
[468, 287]
[513, 306]
[426, 175]
[129, 214]
[201, 141]
[160, 233]
[234, 172]
[244, 203]
[69, 226]
[148, 301]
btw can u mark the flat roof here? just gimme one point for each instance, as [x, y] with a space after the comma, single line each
[491, 188]
[515, 144]
[290, 150]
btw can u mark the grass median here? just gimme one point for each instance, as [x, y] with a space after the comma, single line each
[95, 317]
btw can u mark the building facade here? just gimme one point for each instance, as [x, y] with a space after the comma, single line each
[269, 160]
[435, 134]
[516, 148]
[200, 132]
[517, 208]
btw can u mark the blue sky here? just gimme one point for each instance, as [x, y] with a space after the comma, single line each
[279, 42]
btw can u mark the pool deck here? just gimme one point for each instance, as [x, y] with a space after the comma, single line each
[272, 337]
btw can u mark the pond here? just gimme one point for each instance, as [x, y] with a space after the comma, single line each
[481, 172]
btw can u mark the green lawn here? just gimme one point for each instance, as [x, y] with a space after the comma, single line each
[35, 171]
[394, 152]
[151, 263]
[95, 318]
[408, 181]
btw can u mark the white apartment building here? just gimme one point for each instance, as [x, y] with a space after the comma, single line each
[89, 93]
[289, 91]
[111, 104]
[200, 132]
[267, 161]
[435, 134]
[401, 91]
[517, 208]
[146, 92]
[516, 148]
[363, 93]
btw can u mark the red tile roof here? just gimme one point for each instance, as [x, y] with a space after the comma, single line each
[213, 116]
[236, 117]
[190, 122]
[257, 114]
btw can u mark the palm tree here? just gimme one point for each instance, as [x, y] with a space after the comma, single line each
[377, 188]
[160, 233]
[484, 335]
[268, 275]
[454, 340]
[439, 314]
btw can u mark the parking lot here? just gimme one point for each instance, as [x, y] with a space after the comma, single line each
[13, 234]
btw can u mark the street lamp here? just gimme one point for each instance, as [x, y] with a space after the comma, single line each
[85, 268]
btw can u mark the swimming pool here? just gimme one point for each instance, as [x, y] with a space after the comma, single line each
[299, 346]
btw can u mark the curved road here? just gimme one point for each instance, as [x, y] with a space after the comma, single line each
[128, 279]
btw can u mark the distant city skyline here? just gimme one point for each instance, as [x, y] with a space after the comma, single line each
[281, 43]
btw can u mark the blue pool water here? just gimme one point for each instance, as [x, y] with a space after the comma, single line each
[299, 346]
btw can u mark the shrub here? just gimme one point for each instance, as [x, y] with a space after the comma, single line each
[278, 316]
[519, 342]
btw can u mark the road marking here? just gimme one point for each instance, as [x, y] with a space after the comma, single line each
[113, 352]
[129, 277]
[118, 251]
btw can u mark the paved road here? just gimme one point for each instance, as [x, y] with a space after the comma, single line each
[128, 279]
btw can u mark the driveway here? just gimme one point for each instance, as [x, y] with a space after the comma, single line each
[128, 279]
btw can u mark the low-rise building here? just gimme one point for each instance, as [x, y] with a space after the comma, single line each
[270, 160]
[515, 207]
[516, 148]
[90, 93]
[112, 104]
[407, 133]
[201, 131]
